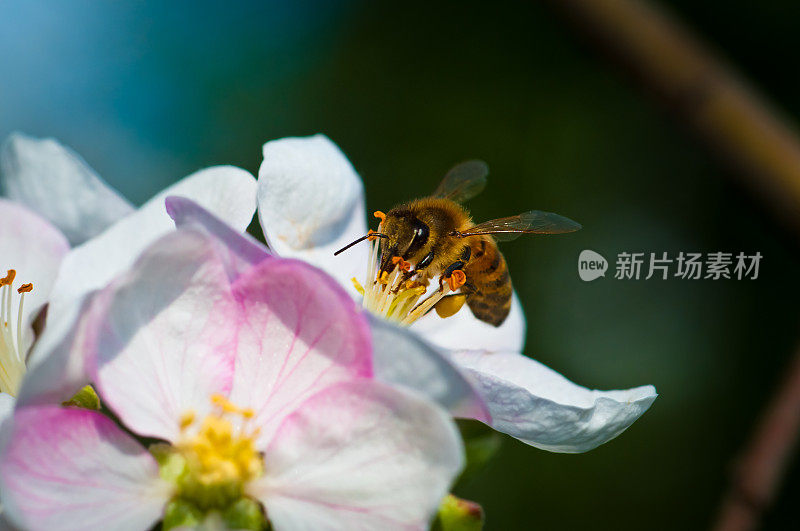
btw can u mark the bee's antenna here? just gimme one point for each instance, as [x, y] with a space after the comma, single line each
[361, 239]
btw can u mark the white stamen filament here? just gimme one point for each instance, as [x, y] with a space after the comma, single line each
[404, 297]
[12, 353]
[19, 326]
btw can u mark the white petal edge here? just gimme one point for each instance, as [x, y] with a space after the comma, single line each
[463, 331]
[311, 203]
[57, 183]
[34, 248]
[540, 407]
[226, 191]
[70, 468]
[239, 250]
[401, 357]
[360, 456]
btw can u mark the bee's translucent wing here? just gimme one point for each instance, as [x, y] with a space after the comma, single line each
[464, 181]
[531, 222]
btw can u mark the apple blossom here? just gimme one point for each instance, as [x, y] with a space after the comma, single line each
[311, 203]
[255, 372]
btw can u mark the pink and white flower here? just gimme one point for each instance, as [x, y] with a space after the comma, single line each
[106, 232]
[256, 373]
[311, 203]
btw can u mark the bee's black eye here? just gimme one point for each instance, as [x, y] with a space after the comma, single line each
[420, 238]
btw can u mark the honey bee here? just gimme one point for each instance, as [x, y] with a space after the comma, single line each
[436, 236]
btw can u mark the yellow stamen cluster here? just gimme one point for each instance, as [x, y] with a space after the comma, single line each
[400, 295]
[12, 351]
[220, 458]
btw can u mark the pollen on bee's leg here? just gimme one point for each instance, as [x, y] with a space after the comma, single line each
[402, 264]
[384, 277]
[450, 305]
[456, 279]
[411, 284]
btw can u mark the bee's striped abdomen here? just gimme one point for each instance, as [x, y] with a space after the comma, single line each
[488, 283]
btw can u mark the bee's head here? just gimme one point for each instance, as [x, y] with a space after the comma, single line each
[405, 236]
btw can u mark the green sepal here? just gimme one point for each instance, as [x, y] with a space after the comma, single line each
[86, 398]
[171, 464]
[456, 514]
[244, 513]
[181, 513]
[480, 444]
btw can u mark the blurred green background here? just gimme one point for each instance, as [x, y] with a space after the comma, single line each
[148, 92]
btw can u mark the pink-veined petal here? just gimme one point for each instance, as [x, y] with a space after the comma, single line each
[360, 456]
[34, 248]
[239, 250]
[401, 357]
[311, 203]
[55, 181]
[542, 408]
[464, 331]
[301, 333]
[71, 469]
[165, 335]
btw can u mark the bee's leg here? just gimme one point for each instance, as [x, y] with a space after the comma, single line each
[459, 264]
[455, 266]
[425, 262]
[454, 275]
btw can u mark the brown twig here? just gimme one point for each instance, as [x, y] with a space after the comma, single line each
[755, 140]
[696, 87]
[760, 468]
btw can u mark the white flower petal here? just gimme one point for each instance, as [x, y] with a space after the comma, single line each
[55, 181]
[6, 406]
[540, 407]
[56, 368]
[401, 357]
[165, 335]
[463, 331]
[300, 334]
[70, 468]
[311, 203]
[360, 456]
[34, 248]
[226, 191]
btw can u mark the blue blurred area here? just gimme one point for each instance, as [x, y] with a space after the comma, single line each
[141, 89]
[148, 92]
